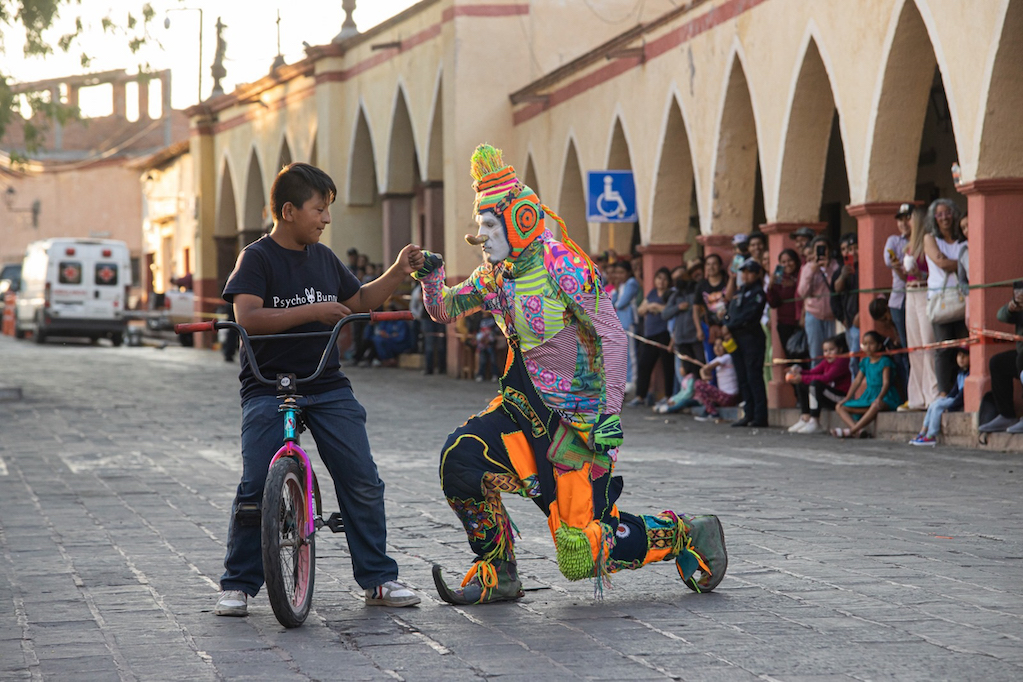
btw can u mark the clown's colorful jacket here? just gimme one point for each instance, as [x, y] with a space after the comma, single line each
[546, 301]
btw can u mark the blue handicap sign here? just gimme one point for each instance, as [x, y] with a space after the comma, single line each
[610, 197]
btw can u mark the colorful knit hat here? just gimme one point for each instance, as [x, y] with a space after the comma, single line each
[498, 189]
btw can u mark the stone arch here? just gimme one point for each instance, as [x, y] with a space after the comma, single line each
[402, 159]
[908, 82]
[284, 157]
[805, 143]
[622, 237]
[225, 231]
[255, 208]
[737, 199]
[435, 145]
[364, 214]
[362, 167]
[571, 206]
[529, 176]
[1001, 138]
[674, 183]
[227, 214]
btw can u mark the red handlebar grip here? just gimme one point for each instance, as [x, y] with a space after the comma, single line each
[191, 327]
[391, 315]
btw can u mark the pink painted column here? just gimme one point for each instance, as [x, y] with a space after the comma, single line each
[779, 393]
[996, 244]
[875, 222]
[721, 244]
[660, 256]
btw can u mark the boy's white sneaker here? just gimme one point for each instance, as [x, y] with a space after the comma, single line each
[391, 593]
[232, 603]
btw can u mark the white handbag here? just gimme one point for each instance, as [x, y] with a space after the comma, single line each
[948, 305]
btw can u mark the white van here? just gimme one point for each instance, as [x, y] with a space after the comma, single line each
[74, 287]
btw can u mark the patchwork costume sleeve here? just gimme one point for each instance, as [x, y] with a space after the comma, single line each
[446, 304]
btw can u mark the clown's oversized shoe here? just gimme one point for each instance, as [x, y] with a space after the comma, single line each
[703, 560]
[486, 582]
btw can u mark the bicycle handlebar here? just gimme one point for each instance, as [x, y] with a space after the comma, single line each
[212, 325]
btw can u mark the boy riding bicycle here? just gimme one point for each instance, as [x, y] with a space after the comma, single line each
[288, 281]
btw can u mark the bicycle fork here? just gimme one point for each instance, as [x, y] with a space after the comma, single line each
[292, 449]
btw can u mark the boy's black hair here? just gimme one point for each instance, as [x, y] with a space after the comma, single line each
[848, 238]
[296, 183]
[624, 265]
[756, 234]
[877, 308]
[963, 350]
[840, 343]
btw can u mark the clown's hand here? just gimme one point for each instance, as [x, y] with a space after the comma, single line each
[606, 433]
[432, 263]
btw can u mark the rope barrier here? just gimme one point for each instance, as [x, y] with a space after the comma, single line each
[888, 290]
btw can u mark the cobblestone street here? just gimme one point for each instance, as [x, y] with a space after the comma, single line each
[859, 560]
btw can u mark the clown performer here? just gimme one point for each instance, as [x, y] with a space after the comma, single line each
[552, 434]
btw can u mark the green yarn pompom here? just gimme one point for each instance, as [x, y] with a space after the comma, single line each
[485, 160]
[575, 557]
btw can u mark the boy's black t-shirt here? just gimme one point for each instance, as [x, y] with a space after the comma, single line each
[284, 278]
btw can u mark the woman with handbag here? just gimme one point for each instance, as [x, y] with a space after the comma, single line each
[946, 303]
[923, 384]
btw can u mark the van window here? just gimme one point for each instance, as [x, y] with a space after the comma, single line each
[70, 272]
[106, 274]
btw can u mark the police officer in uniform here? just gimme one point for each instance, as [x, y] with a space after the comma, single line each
[743, 323]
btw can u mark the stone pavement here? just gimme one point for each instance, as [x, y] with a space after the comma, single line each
[860, 560]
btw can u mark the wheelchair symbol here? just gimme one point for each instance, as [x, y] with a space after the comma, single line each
[610, 197]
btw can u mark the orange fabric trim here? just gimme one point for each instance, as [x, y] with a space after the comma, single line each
[575, 496]
[520, 453]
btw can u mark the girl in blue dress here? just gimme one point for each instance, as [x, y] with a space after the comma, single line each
[880, 394]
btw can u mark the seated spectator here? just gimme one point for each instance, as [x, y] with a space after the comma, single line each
[1007, 367]
[726, 393]
[953, 402]
[879, 396]
[885, 324]
[485, 341]
[821, 387]
[388, 340]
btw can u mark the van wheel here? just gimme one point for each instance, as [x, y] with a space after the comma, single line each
[19, 333]
[187, 340]
[117, 339]
[39, 336]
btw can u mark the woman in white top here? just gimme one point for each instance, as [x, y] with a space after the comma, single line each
[942, 244]
[923, 385]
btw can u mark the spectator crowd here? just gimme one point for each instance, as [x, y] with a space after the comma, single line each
[707, 325]
[700, 339]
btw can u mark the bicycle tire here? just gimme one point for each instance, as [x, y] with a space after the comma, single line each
[289, 556]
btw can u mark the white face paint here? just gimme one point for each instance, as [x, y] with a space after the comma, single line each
[496, 248]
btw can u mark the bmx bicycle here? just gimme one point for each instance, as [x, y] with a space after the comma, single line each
[291, 512]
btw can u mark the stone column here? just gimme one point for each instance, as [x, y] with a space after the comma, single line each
[657, 256]
[397, 227]
[205, 284]
[433, 209]
[996, 243]
[875, 222]
[780, 394]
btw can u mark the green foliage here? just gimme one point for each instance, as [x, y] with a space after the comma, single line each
[36, 17]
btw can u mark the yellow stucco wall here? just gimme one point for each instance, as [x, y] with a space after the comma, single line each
[762, 81]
